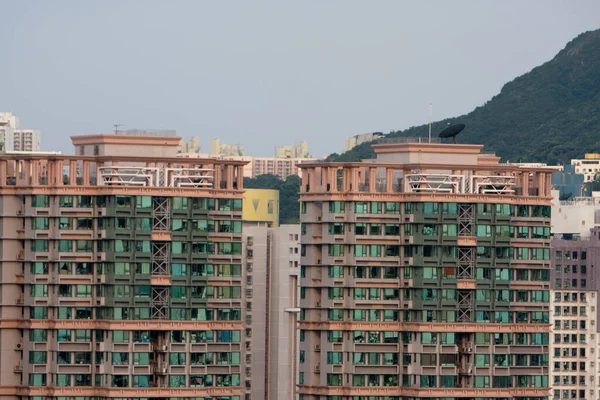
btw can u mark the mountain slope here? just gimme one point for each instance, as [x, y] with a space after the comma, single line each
[550, 114]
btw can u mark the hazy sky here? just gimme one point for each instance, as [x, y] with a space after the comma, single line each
[268, 73]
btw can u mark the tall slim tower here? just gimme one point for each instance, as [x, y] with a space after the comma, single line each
[122, 276]
[424, 275]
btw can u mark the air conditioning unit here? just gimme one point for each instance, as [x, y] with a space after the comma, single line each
[21, 255]
[19, 300]
[318, 347]
[319, 219]
[318, 305]
[19, 367]
[19, 346]
[318, 261]
[19, 212]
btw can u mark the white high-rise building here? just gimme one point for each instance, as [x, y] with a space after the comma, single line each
[8, 123]
[26, 140]
[273, 267]
[15, 139]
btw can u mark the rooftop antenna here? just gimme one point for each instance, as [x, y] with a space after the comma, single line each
[430, 118]
[117, 128]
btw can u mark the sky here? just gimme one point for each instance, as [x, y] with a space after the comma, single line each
[268, 73]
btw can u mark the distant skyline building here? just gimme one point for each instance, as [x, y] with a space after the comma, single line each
[575, 285]
[226, 150]
[191, 145]
[281, 167]
[13, 138]
[575, 216]
[273, 265]
[26, 140]
[298, 151]
[355, 140]
[589, 166]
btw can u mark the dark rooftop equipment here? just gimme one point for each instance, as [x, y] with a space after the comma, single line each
[452, 131]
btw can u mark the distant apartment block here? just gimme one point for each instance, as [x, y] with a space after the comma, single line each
[226, 150]
[358, 139]
[589, 166]
[298, 151]
[26, 140]
[15, 139]
[575, 216]
[273, 265]
[575, 282]
[281, 167]
[191, 145]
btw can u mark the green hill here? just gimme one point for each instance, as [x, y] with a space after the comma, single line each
[551, 114]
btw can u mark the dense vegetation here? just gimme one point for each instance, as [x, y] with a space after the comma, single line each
[289, 205]
[551, 114]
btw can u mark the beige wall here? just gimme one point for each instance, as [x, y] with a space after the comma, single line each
[275, 270]
[257, 235]
[425, 153]
[127, 150]
[283, 338]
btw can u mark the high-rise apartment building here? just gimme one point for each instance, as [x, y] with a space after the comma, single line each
[575, 216]
[255, 166]
[298, 151]
[122, 276]
[589, 166]
[26, 140]
[227, 150]
[424, 275]
[190, 146]
[359, 139]
[273, 265]
[282, 167]
[8, 123]
[15, 139]
[575, 282]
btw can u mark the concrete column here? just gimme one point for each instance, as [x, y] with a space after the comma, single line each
[86, 173]
[217, 169]
[240, 176]
[525, 183]
[72, 173]
[372, 179]
[230, 177]
[3, 172]
[325, 178]
[355, 178]
[312, 179]
[59, 166]
[333, 172]
[35, 172]
[305, 174]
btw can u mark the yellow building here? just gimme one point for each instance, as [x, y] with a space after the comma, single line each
[261, 206]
